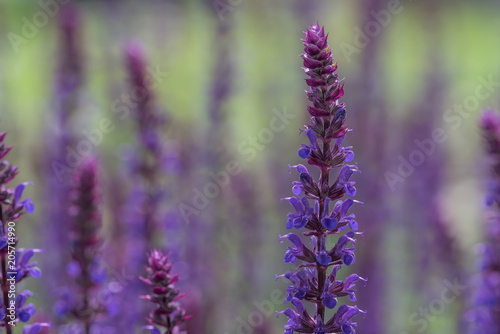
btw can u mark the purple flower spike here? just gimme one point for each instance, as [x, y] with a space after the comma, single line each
[84, 306]
[315, 281]
[484, 316]
[147, 163]
[12, 207]
[167, 313]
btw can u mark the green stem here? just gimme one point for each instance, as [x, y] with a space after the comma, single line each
[321, 270]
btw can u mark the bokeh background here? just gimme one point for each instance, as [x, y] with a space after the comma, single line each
[228, 68]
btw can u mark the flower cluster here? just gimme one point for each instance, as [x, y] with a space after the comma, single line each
[315, 280]
[15, 262]
[61, 135]
[486, 313]
[167, 313]
[146, 165]
[85, 268]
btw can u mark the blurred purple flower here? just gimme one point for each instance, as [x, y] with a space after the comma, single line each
[148, 163]
[325, 133]
[35, 328]
[70, 74]
[61, 135]
[81, 302]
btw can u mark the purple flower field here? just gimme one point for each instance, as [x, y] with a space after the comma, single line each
[244, 167]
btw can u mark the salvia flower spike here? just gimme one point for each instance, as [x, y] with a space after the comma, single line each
[317, 205]
[149, 161]
[12, 207]
[485, 315]
[167, 312]
[82, 303]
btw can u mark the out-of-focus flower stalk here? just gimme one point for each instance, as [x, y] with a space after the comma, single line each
[305, 10]
[147, 162]
[315, 281]
[195, 277]
[245, 206]
[217, 154]
[427, 226]
[220, 88]
[61, 139]
[82, 303]
[369, 95]
[70, 72]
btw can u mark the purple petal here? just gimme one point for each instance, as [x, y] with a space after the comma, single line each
[297, 190]
[36, 272]
[350, 156]
[346, 205]
[312, 63]
[294, 239]
[289, 257]
[18, 193]
[329, 223]
[304, 152]
[298, 305]
[312, 138]
[348, 259]
[299, 222]
[297, 205]
[323, 258]
[353, 225]
[350, 190]
[330, 302]
[28, 206]
[344, 175]
[26, 257]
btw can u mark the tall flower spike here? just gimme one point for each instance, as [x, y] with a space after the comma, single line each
[12, 207]
[167, 312]
[148, 161]
[148, 164]
[85, 270]
[61, 134]
[315, 279]
[485, 315]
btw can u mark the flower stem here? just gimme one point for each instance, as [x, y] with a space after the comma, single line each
[87, 327]
[321, 270]
[87, 323]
